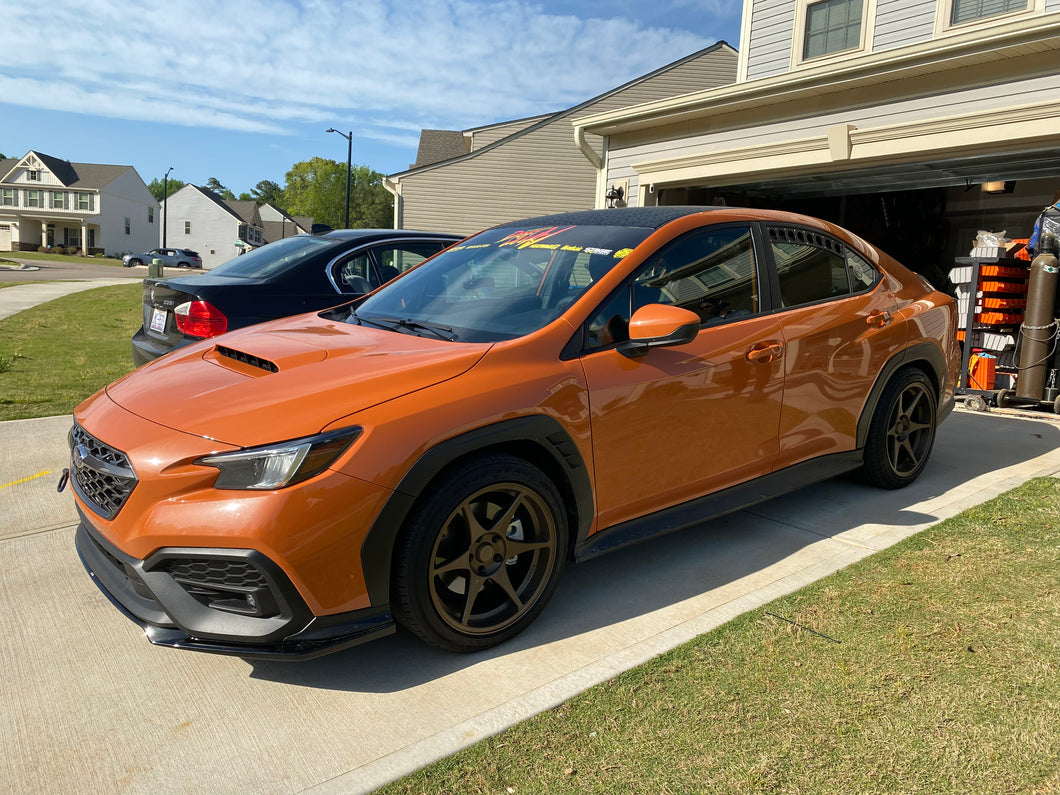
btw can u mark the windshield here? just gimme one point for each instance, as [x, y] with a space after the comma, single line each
[501, 284]
[274, 258]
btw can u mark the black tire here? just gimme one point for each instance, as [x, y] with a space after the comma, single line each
[902, 431]
[183, 265]
[134, 263]
[495, 526]
[1002, 398]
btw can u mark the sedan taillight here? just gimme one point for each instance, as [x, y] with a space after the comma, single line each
[200, 319]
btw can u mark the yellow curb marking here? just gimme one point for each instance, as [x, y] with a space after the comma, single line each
[26, 480]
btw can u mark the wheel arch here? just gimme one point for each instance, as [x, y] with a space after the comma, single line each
[540, 440]
[924, 356]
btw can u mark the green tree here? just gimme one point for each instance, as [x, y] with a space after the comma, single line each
[317, 188]
[156, 186]
[245, 197]
[213, 184]
[268, 192]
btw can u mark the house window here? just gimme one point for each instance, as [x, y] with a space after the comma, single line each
[58, 200]
[971, 10]
[72, 237]
[128, 225]
[86, 202]
[33, 175]
[187, 227]
[9, 198]
[150, 215]
[33, 198]
[832, 26]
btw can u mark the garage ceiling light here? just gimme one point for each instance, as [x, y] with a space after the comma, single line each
[998, 187]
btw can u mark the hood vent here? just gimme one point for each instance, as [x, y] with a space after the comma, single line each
[248, 359]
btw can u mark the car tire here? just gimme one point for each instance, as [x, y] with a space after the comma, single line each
[494, 527]
[183, 265]
[902, 431]
[134, 263]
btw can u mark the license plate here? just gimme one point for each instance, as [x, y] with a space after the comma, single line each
[158, 320]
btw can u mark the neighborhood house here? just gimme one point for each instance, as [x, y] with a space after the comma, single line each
[96, 209]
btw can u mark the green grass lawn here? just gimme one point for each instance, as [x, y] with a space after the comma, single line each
[931, 667]
[55, 355]
[52, 257]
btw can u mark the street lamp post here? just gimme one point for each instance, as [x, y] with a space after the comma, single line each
[165, 204]
[349, 165]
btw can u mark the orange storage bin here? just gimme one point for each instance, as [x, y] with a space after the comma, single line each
[1004, 303]
[1003, 287]
[999, 319]
[981, 371]
[1004, 271]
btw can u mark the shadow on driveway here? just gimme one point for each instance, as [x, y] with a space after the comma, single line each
[602, 594]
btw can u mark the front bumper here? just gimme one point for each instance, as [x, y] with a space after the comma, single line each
[223, 601]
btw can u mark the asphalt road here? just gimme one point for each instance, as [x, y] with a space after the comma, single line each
[58, 270]
[87, 704]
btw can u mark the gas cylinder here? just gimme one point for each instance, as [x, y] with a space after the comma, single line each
[1038, 332]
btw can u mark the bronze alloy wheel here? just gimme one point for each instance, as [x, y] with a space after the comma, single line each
[902, 431]
[492, 559]
[482, 554]
[911, 430]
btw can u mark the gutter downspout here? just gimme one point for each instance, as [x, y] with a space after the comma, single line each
[595, 160]
[394, 188]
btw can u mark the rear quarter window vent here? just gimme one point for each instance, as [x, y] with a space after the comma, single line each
[247, 359]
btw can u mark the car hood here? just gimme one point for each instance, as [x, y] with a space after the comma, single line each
[286, 379]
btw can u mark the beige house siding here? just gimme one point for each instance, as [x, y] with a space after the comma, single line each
[481, 137]
[648, 153]
[535, 174]
[537, 169]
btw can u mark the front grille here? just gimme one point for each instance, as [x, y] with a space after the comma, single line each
[246, 358]
[104, 477]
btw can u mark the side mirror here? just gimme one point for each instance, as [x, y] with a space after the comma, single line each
[659, 326]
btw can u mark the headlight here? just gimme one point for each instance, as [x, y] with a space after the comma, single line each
[275, 466]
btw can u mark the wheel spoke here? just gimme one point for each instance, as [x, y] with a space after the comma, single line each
[502, 579]
[474, 588]
[910, 453]
[474, 526]
[519, 547]
[459, 563]
[501, 524]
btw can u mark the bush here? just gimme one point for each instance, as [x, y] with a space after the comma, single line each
[42, 249]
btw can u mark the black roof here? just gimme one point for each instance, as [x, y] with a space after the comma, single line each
[357, 234]
[646, 217]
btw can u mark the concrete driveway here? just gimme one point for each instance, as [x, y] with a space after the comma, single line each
[89, 705]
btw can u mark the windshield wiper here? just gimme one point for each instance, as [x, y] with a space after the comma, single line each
[393, 324]
[438, 330]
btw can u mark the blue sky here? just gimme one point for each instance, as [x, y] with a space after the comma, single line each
[243, 89]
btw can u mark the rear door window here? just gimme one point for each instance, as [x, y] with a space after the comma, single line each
[812, 267]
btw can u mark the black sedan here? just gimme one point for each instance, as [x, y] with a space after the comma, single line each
[287, 277]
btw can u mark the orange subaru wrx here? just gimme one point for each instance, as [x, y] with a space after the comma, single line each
[433, 453]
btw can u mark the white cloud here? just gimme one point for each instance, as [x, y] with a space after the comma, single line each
[270, 65]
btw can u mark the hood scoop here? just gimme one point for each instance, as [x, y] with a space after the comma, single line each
[248, 359]
[264, 354]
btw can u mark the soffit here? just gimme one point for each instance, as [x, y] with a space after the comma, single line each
[1031, 45]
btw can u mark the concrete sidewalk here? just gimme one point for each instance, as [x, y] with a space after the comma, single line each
[88, 704]
[23, 296]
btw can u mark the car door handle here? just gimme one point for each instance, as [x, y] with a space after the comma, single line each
[878, 318]
[764, 352]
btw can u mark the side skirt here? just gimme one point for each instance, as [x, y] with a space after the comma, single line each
[712, 506]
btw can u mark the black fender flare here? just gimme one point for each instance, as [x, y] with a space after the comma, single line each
[539, 438]
[920, 353]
